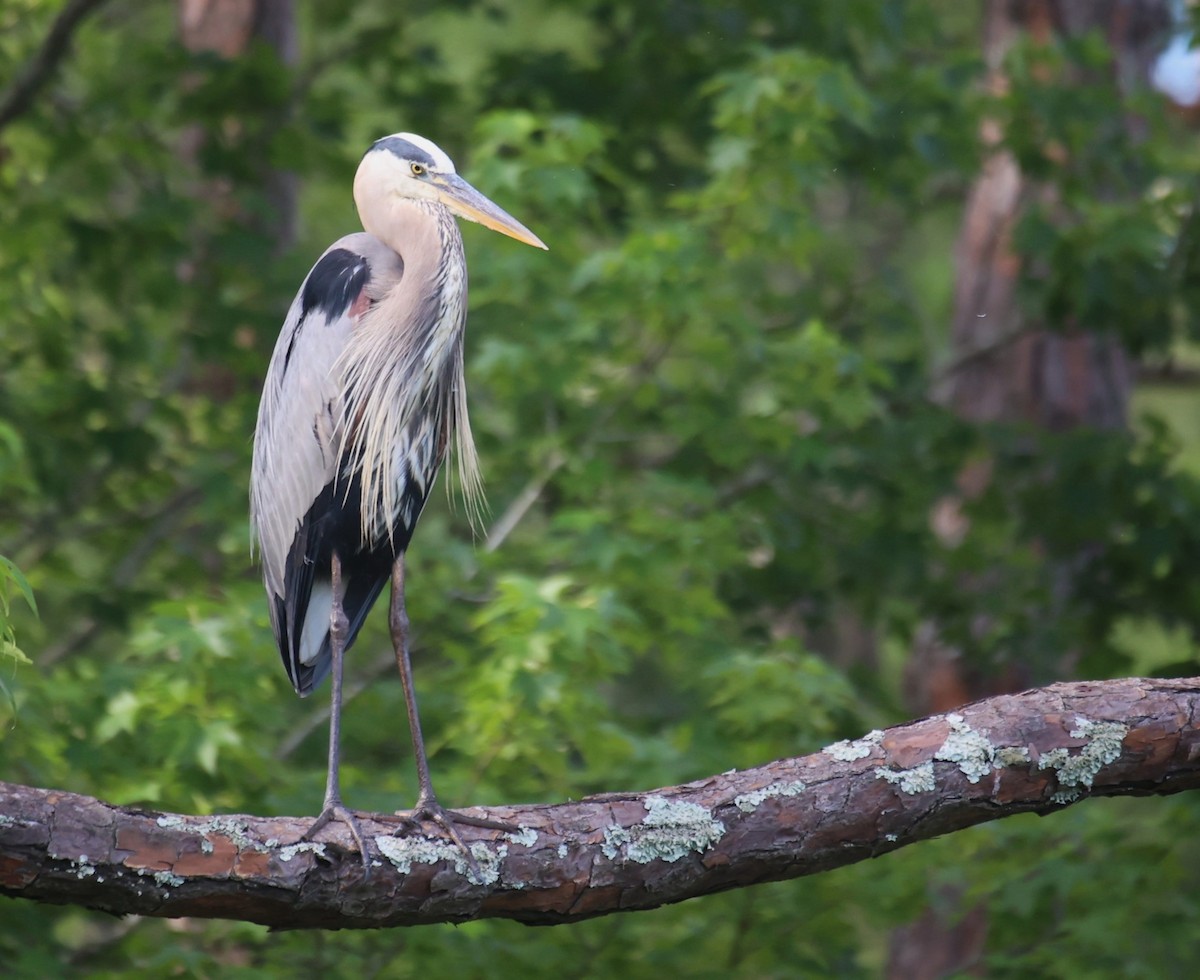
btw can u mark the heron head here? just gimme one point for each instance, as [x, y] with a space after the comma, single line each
[407, 167]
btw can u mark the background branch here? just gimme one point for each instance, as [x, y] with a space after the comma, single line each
[18, 97]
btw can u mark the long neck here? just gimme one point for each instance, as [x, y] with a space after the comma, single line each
[425, 235]
[404, 366]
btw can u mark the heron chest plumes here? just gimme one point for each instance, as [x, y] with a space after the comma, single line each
[403, 386]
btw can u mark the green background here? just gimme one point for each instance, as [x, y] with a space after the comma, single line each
[715, 387]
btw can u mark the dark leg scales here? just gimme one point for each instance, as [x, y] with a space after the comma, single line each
[333, 808]
[428, 809]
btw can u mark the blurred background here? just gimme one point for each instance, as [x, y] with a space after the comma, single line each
[859, 381]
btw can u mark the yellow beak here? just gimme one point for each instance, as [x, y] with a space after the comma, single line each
[466, 202]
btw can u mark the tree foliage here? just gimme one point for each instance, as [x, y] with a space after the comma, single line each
[713, 464]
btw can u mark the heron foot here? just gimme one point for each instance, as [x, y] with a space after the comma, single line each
[429, 810]
[336, 810]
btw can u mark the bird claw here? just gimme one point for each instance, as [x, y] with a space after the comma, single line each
[429, 810]
[336, 810]
[443, 818]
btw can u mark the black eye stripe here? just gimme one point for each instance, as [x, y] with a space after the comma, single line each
[403, 149]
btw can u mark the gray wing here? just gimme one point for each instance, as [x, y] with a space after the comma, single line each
[296, 446]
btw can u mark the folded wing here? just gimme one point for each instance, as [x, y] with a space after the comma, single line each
[302, 503]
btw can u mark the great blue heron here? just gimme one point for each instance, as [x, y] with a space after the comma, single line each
[363, 394]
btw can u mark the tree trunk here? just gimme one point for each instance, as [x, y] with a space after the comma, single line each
[1011, 367]
[227, 28]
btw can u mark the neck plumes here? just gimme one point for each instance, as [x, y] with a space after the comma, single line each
[402, 374]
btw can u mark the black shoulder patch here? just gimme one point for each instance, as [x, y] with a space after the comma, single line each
[334, 283]
[403, 149]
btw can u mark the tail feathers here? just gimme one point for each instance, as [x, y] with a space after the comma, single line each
[316, 623]
[309, 657]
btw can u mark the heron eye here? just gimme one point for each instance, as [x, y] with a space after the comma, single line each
[417, 170]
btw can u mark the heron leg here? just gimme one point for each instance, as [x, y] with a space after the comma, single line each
[333, 807]
[427, 807]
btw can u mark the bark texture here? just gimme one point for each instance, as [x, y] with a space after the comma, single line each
[1038, 751]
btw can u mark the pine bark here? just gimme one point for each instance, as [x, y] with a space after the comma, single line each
[1039, 751]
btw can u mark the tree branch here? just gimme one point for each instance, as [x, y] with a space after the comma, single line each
[18, 97]
[1033, 752]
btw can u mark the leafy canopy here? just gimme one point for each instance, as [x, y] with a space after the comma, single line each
[711, 457]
